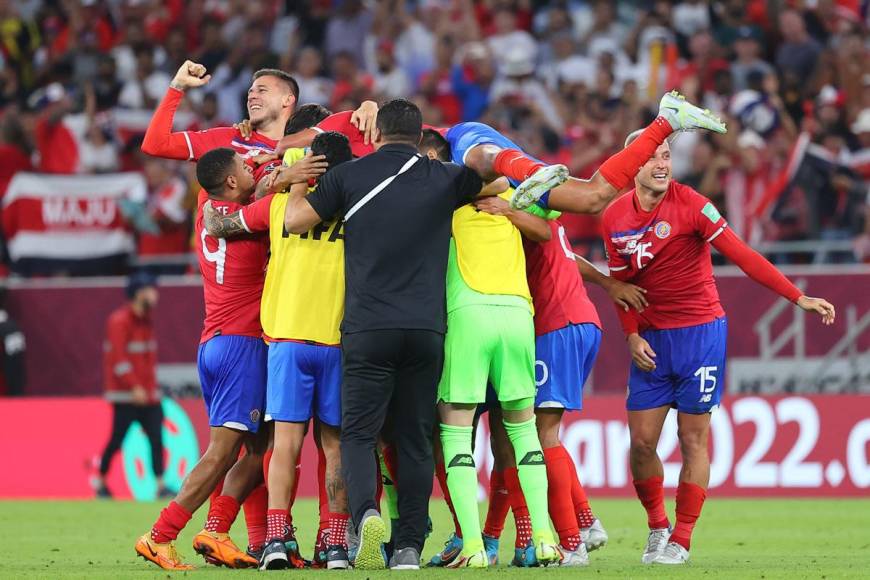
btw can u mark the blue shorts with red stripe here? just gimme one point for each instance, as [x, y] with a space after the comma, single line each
[304, 378]
[689, 373]
[232, 374]
[564, 359]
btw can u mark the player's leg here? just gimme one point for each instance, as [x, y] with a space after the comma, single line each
[150, 417]
[328, 413]
[702, 370]
[591, 196]
[453, 545]
[513, 376]
[289, 400]
[123, 415]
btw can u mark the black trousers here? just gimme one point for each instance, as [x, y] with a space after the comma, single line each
[151, 419]
[393, 372]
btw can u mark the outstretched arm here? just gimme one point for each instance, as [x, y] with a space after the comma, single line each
[759, 269]
[159, 139]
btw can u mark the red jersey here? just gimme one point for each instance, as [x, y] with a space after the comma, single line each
[233, 273]
[160, 141]
[557, 288]
[340, 123]
[129, 356]
[667, 252]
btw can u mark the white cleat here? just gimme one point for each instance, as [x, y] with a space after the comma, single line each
[655, 544]
[594, 536]
[539, 183]
[578, 557]
[684, 116]
[673, 554]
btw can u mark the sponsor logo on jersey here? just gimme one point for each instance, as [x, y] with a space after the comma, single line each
[662, 230]
[462, 460]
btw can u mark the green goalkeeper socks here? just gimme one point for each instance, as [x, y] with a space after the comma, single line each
[390, 495]
[462, 483]
[532, 473]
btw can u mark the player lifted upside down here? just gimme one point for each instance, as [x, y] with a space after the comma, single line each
[658, 236]
[303, 303]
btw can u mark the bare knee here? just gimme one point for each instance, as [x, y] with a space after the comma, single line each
[643, 448]
[693, 443]
[482, 160]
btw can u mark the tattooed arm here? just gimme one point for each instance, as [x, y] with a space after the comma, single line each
[222, 226]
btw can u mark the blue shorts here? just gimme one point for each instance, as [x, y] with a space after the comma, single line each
[689, 373]
[564, 361]
[232, 373]
[302, 376]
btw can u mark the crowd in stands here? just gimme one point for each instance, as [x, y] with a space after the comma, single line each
[568, 80]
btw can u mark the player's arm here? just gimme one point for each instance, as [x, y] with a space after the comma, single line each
[531, 226]
[159, 139]
[299, 215]
[623, 294]
[759, 269]
[248, 220]
[120, 364]
[328, 201]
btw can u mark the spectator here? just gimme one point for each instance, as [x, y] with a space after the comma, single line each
[437, 87]
[166, 208]
[124, 53]
[747, 50]
[346, 31]
[14, 151]
[472, 79]
[313, 87]
[146, 90]
[56, 143]
[390, 81]
[351, 84]
[798, 54]
[518, 88]
[508, 38]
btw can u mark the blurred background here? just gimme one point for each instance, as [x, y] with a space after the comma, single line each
[81, 206]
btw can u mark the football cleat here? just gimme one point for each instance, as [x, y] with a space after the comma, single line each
[655, 544]
[292, 546]
[405, 559]
[547, 553]
[578, 557]
[684, 116]
[477, 559]
[490, 544]
[164, 555]
[372, 531]
[220, 550]
[525, 557]
[673, 554]
[594, 536]
[336, 558]
[539, 183]
[452, 548]
[274, 556]
[318, 560]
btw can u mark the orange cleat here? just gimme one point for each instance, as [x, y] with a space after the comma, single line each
[220, 550]
[164, 555]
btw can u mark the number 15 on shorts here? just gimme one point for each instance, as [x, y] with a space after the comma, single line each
[707, 378]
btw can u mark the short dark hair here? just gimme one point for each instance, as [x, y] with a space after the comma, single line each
[432, 139]
[213, 168]
[334, 145]
[280, 75]
[305, 117]
[400, 120]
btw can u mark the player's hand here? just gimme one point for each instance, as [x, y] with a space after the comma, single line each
[244, 127]
[627, 295]
[190, 75]
[309, 167]
[493, 205]
[364, 120]
[820, 305]
[140, 395]
[264, 158]
[641, 353]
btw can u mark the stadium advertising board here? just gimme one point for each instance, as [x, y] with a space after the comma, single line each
[761, 446]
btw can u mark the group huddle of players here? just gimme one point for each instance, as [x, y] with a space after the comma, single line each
[522, 334]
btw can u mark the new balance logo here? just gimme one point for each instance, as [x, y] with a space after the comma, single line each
[463, 460]
[533, 458]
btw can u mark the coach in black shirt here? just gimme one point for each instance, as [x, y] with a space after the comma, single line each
[397, 207]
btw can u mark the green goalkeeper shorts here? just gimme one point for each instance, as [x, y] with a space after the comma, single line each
[488, 342]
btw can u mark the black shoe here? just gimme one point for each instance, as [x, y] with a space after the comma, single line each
[165, 493]
[256, 554]
[405, 559]
[336, 558]
[274, 556]
[103, 492]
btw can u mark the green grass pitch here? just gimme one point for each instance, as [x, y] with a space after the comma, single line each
[762, 538]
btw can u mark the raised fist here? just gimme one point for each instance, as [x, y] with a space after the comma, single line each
[190, 75]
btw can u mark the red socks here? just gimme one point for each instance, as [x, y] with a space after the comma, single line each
[560, 500]
[276, 521]
[515, 164]
[518, 505]
[585, 517]
[690, 500]
[651, 493]
[221, 514]
[255, 516]
[620, 169]
[441, 474]
[172, 520]
[499, 504]
[338, 529]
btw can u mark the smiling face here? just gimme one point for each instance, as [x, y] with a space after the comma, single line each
[655, 175]
[268, 99]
